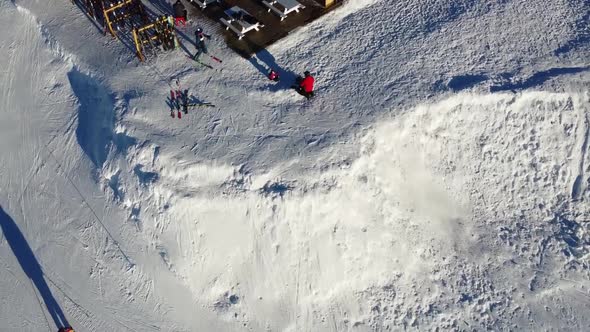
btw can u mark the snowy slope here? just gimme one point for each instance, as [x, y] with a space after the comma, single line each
[439, 180]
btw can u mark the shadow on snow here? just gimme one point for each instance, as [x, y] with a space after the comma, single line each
[538, 78]
[31, 267]
[96, 113]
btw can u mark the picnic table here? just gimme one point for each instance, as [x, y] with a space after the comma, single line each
[203, 3]
[240, 21]
[285, 7]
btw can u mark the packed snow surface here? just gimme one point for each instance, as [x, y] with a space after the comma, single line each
[439, 180]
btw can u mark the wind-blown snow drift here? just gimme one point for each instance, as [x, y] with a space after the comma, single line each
[403, 235]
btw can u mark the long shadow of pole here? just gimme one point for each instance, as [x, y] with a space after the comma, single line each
[30, 266]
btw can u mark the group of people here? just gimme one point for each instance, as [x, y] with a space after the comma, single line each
[180, 16]
[304, 85]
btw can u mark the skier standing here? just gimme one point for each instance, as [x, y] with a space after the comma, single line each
[179, 13]
[200, 42]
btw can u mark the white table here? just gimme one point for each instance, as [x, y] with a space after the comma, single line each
[288, 6]
[237, 22]
[203, 3]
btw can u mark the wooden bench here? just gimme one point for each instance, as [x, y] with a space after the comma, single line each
[228, 26]
[288, 6]
[240, 21]
[203, 3]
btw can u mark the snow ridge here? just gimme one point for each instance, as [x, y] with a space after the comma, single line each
[50, 41]
[408, 202]
[579, 187]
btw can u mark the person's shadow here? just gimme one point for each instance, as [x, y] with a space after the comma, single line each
[263, 61]
[30, 266]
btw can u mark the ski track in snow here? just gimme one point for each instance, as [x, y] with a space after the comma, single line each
[391, 201]
[44, 108]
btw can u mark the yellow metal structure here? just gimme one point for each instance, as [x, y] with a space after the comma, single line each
[148, 33]
[159, 33]
[126, 10]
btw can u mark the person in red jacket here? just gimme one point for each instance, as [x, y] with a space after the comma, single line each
[65, 329]
[179, 13]
[306, 85]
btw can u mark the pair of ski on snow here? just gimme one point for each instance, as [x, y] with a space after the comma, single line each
[179, 99]
[204, 64]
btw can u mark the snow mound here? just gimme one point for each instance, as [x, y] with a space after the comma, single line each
[437, 196]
